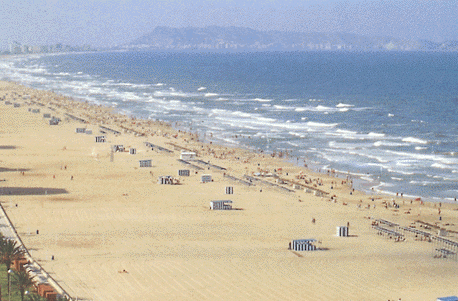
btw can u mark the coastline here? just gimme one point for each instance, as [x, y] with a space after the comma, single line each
[326, 138]
[116, 196]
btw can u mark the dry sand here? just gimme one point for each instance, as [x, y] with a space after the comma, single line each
[114, 217]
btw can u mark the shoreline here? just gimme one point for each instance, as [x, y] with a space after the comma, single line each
[393, 187]
[114, 216]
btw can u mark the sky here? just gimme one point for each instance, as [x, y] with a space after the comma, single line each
[106, 23]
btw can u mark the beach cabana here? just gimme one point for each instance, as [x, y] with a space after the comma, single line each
[16, 105]
[146, 163]
[187, 156]
[167, 180]
[100, 139]
[54, 121]
[206, 178]
[80, 130]
[221, 205]
[229, 190]
[184, 172]
[317, 193]
[88, 132]
[132, 151]
[442, 232]
[118, 148]
[302, 245]
[45, 115]
[342, 231]
[35, 110]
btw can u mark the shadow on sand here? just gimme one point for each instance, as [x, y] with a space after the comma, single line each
[3, 169]
[31, 191]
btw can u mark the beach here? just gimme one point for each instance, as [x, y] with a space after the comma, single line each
[115, 233]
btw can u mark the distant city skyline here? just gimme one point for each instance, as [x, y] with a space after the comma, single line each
[105, 23]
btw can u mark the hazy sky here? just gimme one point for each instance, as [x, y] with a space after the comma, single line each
[114, 22]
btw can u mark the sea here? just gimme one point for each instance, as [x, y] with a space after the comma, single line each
[387, 120]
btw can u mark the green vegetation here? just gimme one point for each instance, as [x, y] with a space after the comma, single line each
[20, 282]
[15, 291]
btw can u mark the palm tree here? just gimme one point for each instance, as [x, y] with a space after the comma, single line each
[9, 252]
[35, 297]
[23, 282]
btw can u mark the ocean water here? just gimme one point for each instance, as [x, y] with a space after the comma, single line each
[389, 119]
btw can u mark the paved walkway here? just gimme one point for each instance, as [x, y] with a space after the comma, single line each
[34, 268]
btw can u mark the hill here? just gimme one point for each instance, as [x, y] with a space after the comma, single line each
[240, 39]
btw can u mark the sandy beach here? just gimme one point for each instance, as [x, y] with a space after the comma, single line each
[116, 234]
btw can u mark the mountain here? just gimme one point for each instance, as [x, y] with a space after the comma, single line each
[240, 39]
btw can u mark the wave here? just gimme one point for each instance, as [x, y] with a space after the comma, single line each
[415, 140]
[278, 107]
[262, 100]
[322, 109]
[343, 105]
[318, 124]
[346, 132]
[372, 134]
[389, 144]
[441, 166]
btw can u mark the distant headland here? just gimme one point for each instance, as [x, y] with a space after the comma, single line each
[241, 39]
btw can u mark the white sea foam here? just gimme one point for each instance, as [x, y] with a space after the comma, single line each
[324, 108]
[415, 140]
[301, 135]
[368, 179]
[387, 143]
[262, 100]
[372, 134]
[441, 166]
[343, 105]
[278, 107]
[318, 124]
[407, 173]
[346, 132]
[211, 94]
[201, 89]
[242, 114]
